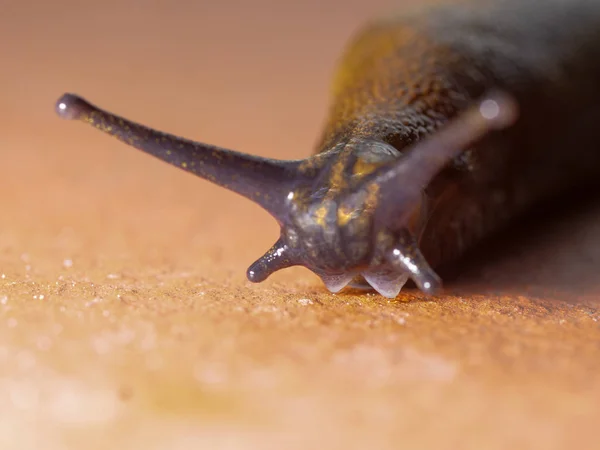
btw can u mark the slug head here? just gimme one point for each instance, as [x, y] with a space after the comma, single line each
[325, 231]
[370, 227]
[338, 228]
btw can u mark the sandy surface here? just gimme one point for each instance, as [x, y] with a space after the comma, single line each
[125, 317]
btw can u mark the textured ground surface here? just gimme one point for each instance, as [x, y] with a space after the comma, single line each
[125, 317]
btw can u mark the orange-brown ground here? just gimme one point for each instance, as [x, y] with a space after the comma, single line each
[125, 317]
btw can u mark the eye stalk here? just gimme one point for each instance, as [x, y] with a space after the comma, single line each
[262, 180]
[400, 183]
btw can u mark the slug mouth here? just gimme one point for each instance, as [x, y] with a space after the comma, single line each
[271, 183]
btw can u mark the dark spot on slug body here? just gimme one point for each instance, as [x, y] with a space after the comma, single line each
[433, 142]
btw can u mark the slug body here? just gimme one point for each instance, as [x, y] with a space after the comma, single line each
[445, 124]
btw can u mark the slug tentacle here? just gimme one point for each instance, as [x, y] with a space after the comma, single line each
[427, 158]
[264, 181]
[278, 257]
[406, 257]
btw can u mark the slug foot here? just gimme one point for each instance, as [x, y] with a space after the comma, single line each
[386, 283]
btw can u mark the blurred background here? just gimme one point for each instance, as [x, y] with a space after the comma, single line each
[125, 316]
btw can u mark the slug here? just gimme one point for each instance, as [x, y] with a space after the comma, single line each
[446, 123]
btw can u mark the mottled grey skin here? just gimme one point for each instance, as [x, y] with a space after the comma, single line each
[418, 160]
